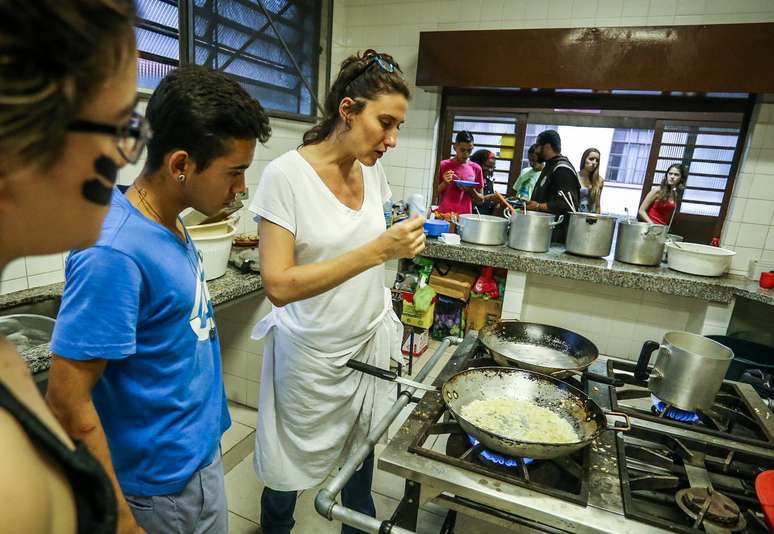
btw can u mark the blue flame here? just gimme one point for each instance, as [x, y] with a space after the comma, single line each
[674, 413]
[498, 459]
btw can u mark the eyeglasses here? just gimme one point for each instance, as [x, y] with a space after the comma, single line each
[385, 64]
[132, 136]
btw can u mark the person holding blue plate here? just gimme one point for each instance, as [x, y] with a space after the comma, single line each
[461, 182]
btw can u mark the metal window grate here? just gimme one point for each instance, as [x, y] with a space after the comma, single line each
[708, 153]
[158, 40]
[235, 36]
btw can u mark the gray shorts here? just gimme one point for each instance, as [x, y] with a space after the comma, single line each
[198, 509]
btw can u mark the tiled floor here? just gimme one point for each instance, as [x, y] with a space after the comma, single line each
[243, 488]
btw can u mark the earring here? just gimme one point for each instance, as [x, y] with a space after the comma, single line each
[181, 178]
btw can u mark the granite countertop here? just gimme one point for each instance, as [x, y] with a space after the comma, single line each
[229, 287]
[557, 262]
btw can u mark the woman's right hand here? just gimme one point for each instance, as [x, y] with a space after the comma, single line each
[405, 239]
[448, 176]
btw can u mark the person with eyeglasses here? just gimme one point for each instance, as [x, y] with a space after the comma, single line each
[323, 247]
[81, 69]
[455, 196]
[136, 371]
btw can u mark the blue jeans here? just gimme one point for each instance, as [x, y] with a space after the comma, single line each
[277, 506]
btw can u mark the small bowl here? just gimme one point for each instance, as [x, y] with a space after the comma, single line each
[436, 227]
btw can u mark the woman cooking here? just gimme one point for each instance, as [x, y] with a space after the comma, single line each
[323, 246]
[660, 204]
[455, 196]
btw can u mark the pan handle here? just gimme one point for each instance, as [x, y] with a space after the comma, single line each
[372, 370]
[641, 369]
[619, 428]
[610, 381]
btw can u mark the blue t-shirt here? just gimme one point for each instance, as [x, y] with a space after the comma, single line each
[139, 299]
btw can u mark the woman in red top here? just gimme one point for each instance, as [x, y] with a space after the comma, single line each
[660, 204]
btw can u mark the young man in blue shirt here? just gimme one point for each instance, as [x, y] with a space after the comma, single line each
[136, 373]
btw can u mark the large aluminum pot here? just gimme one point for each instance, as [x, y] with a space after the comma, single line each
[590, 234]
[640, 243]
[483, 229]
[689, 369]
[531, 231]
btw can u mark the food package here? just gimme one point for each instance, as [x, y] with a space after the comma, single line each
[413, 317]
[449, 318]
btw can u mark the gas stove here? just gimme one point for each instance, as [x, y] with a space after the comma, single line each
[689, 485]
[738, 412]
[662, 476]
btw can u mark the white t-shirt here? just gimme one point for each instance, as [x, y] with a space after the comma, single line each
[292, 195]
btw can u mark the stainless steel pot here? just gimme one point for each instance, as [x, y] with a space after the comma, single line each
[531, 231]
[483, 229]
[590, 234]
[689, 369]
[640, 243]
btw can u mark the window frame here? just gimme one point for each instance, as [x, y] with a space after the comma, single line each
[664, 107]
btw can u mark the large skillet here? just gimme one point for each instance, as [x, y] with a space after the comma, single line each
[542, 348]
[489, 383]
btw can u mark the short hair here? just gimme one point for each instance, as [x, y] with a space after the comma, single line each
[532, 149]
[550, 137]
[198, 110]
[464, 137]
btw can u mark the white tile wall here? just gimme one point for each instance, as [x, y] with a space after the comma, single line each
[749, 228]
[242, 357]
[617, 320]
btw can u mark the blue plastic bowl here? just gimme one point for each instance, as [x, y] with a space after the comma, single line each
[436, 227]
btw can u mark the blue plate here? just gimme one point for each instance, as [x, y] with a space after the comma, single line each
[466, 183]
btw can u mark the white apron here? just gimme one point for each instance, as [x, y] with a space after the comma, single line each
[313, 409]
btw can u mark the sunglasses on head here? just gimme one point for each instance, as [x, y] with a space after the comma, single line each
[373, 59]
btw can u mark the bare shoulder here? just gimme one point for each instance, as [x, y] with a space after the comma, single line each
[24, 491]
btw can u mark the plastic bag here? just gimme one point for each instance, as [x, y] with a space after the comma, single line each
[486, 286]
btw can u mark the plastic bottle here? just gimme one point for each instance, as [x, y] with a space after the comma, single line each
[416, 205]
[388, 213]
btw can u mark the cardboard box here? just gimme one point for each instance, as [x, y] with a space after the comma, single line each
[420, 343]
[483, 312]
[456, 283]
